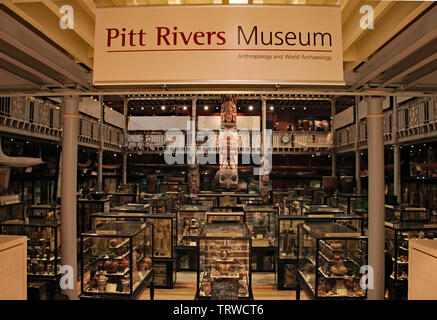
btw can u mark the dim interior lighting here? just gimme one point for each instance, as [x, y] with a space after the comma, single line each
[162, 107]
[294, 108]
[206, 107]
[304, 108]
[272, 108]
[142, 108]
[115, 154]
[185, 107]
[250, 108]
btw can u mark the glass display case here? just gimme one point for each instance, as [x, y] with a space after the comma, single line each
[227, 199]
[251, 200]
[397, 237]
[402, 213]
[261, 221]
[11, 207]
[330, 256]
[204, 201]
[176, 199]
[235, 217]
[164, 244]
[120, 198]
[43, 246]
[278, 196]
[287, 242]
[295, 204]
[161, 204]
[236, 208]
[85, 207]
[320, 209]
[224, 262]
[190, 219]
[350, 202]
[117, 263]
[98, 219]
[44, 211]
[132, 208]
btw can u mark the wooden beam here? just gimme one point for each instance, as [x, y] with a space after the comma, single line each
[38, 15]
[352, 31]
[83, 23]
[393, 22]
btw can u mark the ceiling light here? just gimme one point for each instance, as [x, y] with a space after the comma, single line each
[304, 108]
[294, 108]
[272, 108]
[185, 107]
[142, 108]
[206, 107]
[162, 107]
[250, 108]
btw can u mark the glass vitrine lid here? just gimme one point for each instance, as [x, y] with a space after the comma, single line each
[330, 230]
[226, 230]
[118, 229]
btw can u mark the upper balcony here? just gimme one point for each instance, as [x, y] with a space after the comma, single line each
[417, 120]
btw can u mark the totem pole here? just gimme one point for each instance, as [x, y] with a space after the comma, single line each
[227, 176]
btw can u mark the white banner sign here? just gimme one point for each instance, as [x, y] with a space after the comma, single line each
[218, 44]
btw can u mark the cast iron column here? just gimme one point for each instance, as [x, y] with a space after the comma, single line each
[375, 141]
[357, 148]
[69, 190]
[396, 152]
[124, 176]
[333, 154]
[100, 159]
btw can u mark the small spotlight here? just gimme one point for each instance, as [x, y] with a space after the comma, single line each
[294, 108]
[206, 107]
[162, 107]
[250, 108]
[272, 108]
[184, 107]
[142, 108]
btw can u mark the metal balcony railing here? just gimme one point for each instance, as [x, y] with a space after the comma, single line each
[415, 118]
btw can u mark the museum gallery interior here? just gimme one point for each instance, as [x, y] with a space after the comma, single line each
[218, 150]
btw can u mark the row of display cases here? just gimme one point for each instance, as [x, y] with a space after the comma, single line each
[225, 199]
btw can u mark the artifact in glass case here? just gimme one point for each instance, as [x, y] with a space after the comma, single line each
[402, 213]
[190, 220]
[11, 207]
[43, 246]
[236, 208]
[164, 244]
[288, 242]
[330, 256]
[261, 221]
[350, 203]
[98, 219]
[235, 217]
[132, 208]
[320, 209]
[296, 204]
[194, 179]
[117, 262]
[251, 200]
[152, 183]
[397, 237]
[224, 262]
[227, 200]
[44, 211]
[204, 201]
[85, 207]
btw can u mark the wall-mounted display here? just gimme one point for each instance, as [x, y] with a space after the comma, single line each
[117, 262]
[224, 262]
[330, 256]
